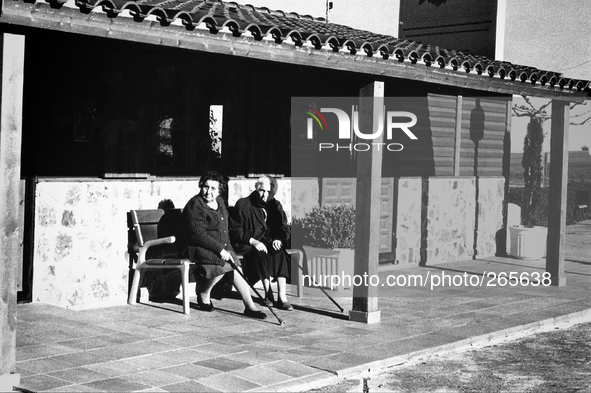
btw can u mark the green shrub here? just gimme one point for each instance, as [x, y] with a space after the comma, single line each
[328, 227]
[532, 172]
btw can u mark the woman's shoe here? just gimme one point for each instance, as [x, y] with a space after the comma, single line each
[269, 300]
[284, 305]
[257, 314]
[205, 307]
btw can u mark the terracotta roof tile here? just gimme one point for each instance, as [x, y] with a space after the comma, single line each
[262, 22]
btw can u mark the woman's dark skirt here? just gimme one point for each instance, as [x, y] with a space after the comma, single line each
[260, 265]
[210, 272]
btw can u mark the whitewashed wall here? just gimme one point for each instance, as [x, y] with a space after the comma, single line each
[81, 258]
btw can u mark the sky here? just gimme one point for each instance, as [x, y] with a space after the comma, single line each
[551, 35]
[546, 34]
[378, 16]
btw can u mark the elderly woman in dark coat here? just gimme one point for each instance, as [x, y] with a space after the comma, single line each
[205, 219]
[259, 230]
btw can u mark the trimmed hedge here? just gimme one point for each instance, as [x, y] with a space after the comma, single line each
[327, 226]
[577, 194]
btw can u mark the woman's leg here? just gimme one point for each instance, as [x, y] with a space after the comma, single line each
[282, 289]
[244, 291]
[283, 303]
[204, 287]
[278, 265]
[268, 291]
[257, 266]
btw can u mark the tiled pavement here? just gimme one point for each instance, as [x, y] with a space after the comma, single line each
[155, 348]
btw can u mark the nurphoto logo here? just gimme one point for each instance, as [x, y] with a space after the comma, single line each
[395, 123]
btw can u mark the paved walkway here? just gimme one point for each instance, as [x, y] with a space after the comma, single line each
[155, 348]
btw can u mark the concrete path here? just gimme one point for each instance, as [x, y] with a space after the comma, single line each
[155, 348]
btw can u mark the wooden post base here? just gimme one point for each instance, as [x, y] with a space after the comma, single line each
[364, 317]
[558, 281]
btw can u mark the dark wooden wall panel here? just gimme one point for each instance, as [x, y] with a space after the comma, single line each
[484, 124]
[442, 116]
[482, 137]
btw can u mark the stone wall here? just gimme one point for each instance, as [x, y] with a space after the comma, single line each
[305, 195]
[491, 192]
[81, 258]
[80, 250]
[450, 219]
[408, 223]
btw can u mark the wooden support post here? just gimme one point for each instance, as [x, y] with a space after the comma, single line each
[557, 192]
[367, 220]
[458, 140]
[11, 111]
[503, 244]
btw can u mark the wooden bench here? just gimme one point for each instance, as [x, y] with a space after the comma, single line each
[152, 236]
[152, 241]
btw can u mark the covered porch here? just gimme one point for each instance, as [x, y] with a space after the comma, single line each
[134, 69]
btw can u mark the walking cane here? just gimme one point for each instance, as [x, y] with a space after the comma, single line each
[326, 293]
[231, 261]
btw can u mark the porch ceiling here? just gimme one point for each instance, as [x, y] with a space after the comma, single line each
[258, 32]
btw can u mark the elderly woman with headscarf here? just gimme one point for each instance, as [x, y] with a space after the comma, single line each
[259, 230]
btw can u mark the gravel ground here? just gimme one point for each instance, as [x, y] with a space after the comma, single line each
[554, 361]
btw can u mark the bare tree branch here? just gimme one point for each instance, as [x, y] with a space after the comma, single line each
[581, 123]
[532, 112]
[529, 102]
[544, 107]
[575, 104]
[582, 114]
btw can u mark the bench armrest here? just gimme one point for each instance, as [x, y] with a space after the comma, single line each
[141, 256]
[297, 269]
